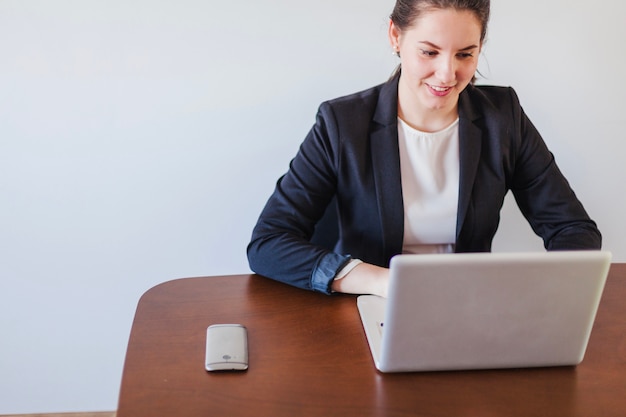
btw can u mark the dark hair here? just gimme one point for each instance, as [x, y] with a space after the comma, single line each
[405, 12]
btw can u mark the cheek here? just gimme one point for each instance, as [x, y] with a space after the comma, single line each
[468, 70]
[418, 68]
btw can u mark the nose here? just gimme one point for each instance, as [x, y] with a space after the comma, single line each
[446, 71]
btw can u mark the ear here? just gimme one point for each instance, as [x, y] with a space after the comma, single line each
[394, 36]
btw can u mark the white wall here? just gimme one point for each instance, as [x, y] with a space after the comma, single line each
[140, 139]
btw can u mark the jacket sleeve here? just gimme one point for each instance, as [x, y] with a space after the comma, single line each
[280, 246]
[543, 195]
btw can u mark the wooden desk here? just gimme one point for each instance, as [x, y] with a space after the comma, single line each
[309, 357]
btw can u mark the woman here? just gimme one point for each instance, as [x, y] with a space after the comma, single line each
[420, 164]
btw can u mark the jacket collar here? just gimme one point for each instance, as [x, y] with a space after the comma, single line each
[386, 113]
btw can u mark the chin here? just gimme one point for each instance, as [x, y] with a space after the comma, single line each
[441, 103]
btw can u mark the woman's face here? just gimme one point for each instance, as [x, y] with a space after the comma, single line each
[439, 57]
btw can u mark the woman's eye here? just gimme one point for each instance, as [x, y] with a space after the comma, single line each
[427, 52]
[465, 55]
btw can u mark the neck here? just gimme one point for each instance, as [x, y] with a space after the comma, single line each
[428, 123]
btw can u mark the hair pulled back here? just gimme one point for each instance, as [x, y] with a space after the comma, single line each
[406, 12]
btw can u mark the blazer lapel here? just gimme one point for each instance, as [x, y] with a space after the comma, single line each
[386, 165]
[470, 138]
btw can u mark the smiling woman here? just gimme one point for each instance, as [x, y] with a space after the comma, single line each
[419, 164]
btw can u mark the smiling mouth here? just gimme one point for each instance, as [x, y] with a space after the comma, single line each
[439, 91]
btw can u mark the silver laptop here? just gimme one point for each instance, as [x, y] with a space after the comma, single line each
[485, 310]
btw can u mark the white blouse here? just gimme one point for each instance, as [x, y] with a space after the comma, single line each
[429, 168]
[429, 164]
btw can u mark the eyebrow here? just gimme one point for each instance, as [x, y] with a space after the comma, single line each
[432, 45]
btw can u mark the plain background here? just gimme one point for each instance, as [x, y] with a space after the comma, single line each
[140, 139]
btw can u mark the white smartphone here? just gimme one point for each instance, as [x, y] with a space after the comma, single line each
[226, 347]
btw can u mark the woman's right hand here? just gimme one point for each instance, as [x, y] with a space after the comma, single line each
[364, 279]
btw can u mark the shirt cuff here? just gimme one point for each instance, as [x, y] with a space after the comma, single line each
[326, 270]
[353, 263]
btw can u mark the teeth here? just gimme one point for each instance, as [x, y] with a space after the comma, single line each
[439, 88]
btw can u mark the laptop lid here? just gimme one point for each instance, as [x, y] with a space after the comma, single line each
[485, 310]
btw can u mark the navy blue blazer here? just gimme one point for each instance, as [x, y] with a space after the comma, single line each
[351, 157]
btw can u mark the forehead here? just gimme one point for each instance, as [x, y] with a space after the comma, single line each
[450, 25]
